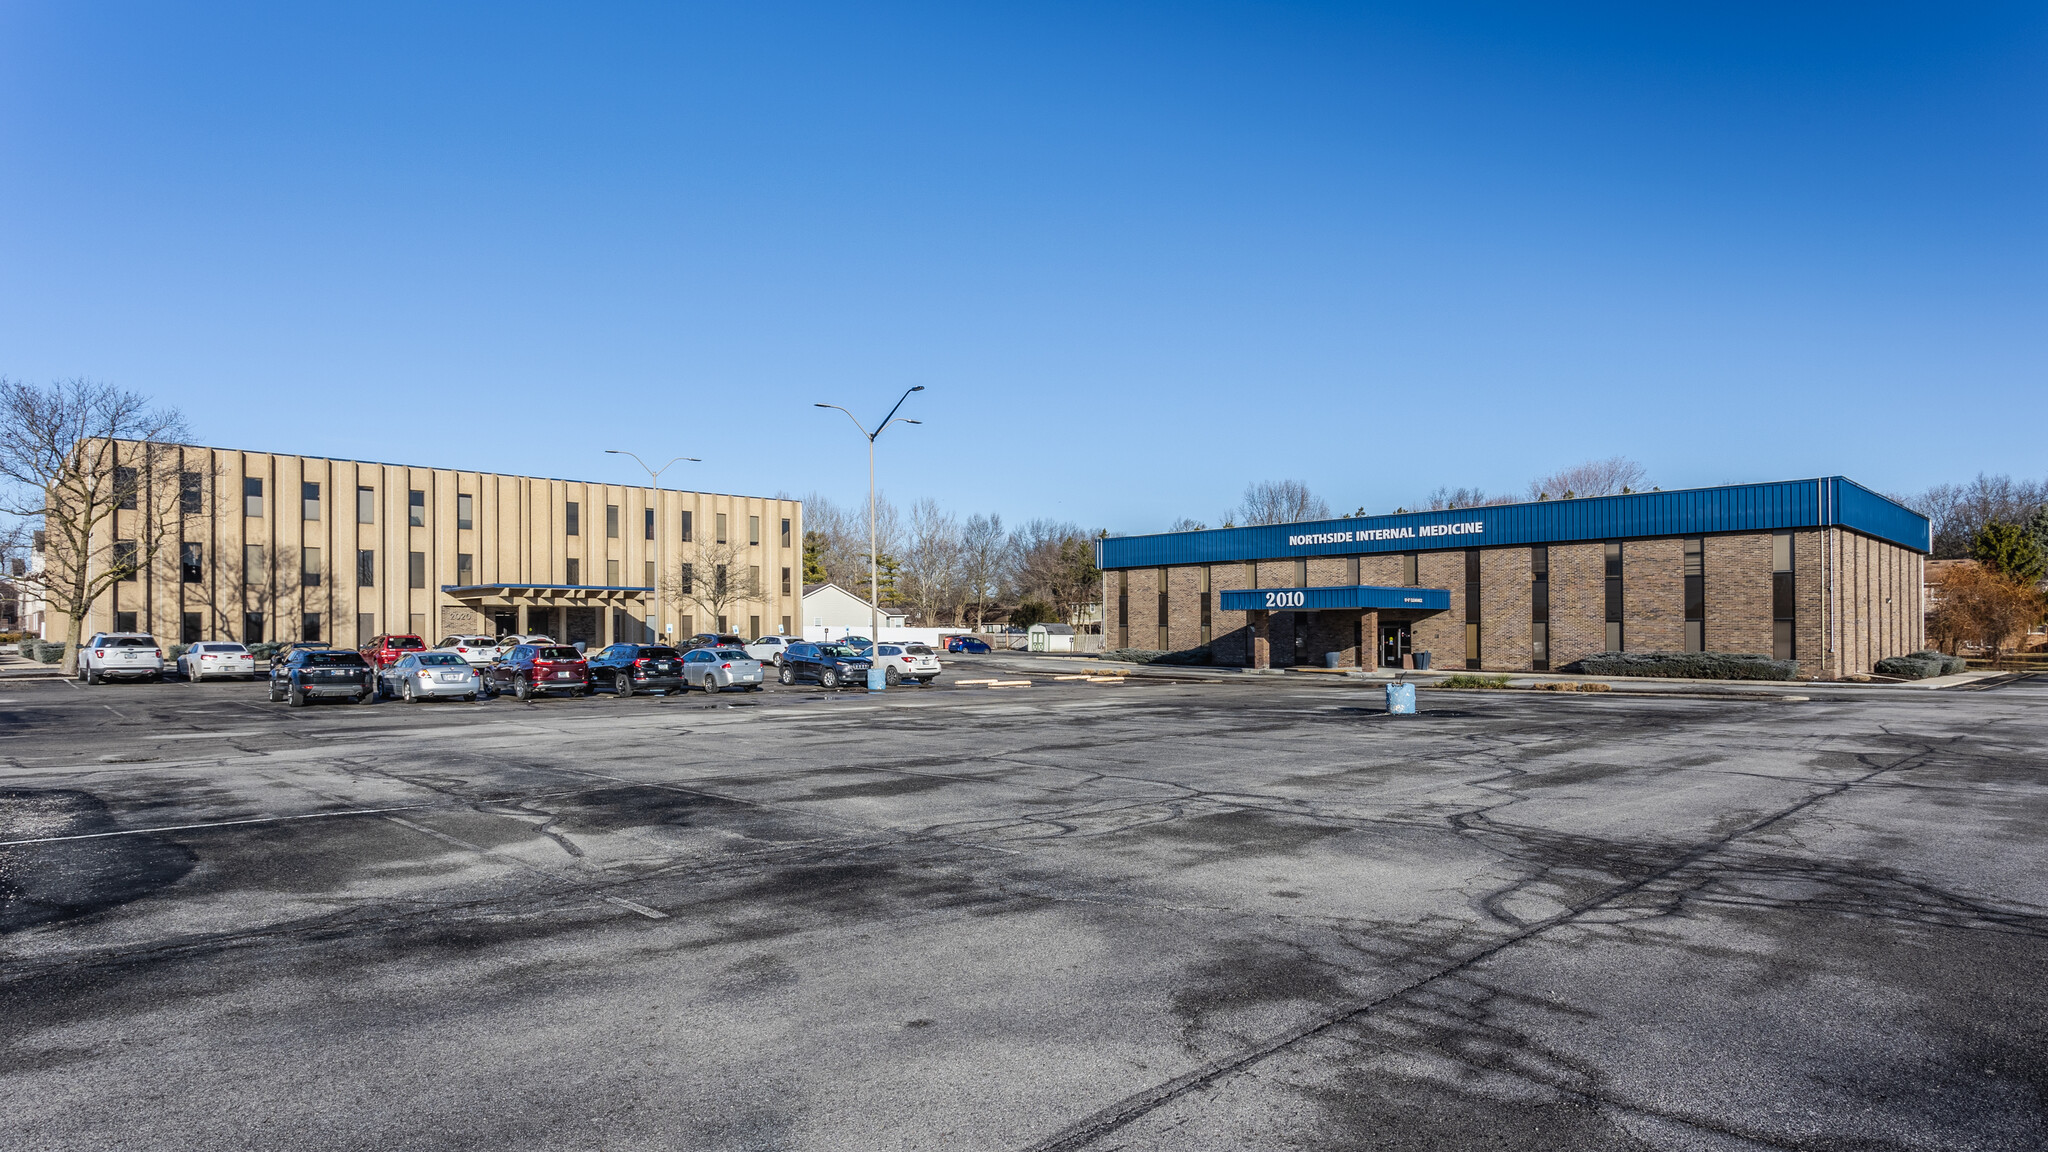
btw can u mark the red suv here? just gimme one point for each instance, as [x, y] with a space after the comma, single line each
[384, 651]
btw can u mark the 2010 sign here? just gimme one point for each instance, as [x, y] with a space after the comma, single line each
[1286, 599]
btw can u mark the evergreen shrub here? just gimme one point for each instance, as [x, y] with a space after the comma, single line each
[1685, 665]
[1920, 665]
[1199, 655]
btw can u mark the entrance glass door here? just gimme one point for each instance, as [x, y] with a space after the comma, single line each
[1394, 644]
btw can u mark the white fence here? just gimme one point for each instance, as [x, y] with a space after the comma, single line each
[936, 636]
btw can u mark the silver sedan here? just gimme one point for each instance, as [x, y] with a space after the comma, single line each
[425, 675]
[715, 669]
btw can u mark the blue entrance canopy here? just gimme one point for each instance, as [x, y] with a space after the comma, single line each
[1360, 596]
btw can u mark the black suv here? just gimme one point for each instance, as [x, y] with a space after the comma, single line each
[831, 665]
[306, 674]
[630, 668]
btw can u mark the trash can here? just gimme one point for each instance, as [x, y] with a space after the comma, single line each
[1422, 661]
[1330, 659]
[1401, 699]
[878, 679]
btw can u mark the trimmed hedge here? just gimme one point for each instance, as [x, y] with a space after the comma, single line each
[1199, 655]
[49, 652]
[264, 650]
[1685, 665]
[1467, 680]
[1921, 665]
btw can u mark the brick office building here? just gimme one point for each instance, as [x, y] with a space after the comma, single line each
[1824, 572]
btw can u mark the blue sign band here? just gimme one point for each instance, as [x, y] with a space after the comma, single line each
[1360, 596]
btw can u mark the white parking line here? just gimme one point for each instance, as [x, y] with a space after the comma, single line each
[629, 906]
[219, 824]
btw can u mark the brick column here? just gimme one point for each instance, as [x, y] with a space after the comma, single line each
[1262, 639]
[1369, 640]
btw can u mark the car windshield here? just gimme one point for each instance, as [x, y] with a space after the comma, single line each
[407, 642]
[131, 642]
[556, 652]
[839, 650]
[657, 653]
[441, 658]
[334, 660]
[918, 650]
[730, 654]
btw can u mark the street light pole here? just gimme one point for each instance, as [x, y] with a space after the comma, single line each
[874, 565]
[654, 477]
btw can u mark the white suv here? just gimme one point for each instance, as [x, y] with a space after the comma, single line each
[769, 649]
[900, 662]
[477, 650]
[120, 654]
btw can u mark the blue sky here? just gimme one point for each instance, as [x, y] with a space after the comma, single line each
[1138, 254]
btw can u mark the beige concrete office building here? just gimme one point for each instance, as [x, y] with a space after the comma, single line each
[268, 546]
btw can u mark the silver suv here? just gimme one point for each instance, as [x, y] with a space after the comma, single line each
[120, 655]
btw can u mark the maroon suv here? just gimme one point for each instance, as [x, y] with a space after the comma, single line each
[529, 669]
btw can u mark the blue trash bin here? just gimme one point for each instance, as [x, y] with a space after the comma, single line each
[878, 679]
[1422, 661]
[1330, 659]
[1401, 699]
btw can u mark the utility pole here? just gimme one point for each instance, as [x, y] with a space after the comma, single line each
[874, 576]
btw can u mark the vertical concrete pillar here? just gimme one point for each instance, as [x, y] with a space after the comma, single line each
[1369, 640]
[1262, 639]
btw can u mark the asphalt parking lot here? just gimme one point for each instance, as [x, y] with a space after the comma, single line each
[1257, 915]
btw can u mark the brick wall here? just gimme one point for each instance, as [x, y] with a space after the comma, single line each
[1738, 579]
[1578, 602]
[1184, 607]
[1811, 633]
[1443, 635]
[1504, 632]
[1653, 595]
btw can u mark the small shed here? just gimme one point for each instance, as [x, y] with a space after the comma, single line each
[1051, 638]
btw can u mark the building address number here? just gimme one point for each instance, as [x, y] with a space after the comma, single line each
[1286, 599]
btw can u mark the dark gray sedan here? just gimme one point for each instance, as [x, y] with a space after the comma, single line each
[428, 675]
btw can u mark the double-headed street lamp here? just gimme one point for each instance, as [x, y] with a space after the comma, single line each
[654, 476]
[874, 580]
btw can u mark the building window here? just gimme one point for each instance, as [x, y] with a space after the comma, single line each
[125, 484]
[126, 561]
[1615, 640]
[785, 625]
[688, 526]
[1123, 609]
[611, 573]
[191, 563]
[366, 505]
[718, 585]
[611, 521]
[189, 628]
[1695, 595]
[721, 537]
[416, 569]
[686, 576]
[753, 531]
[575, 572]
[416, 508]
[191, 493]
[753, 626]
[366, 628]
[649, 575]
[252, 496]
[254, 571]
[1207, 595]
[785, 584]
[366, 568]
[465, 511]
[309, 501]
[465, 569]
[1472, 652]
[1539, 607]
[572, 519]
[1411, 570]
[689, 625]
[1251, 574]
[1784, 599]
[785, 539]
[252, 627]
[1301, 573]
[647, 523]
[1161, 585]
[309, 626]
[309, 567]
[1351, 570]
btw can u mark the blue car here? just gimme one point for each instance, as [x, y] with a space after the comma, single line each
[965, 644]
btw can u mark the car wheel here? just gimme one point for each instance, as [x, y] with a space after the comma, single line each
[829, 677]
[92, 676]
[787, 675]
[622, 684]
[470, 698]
[522, 688]
[410, 696]
[297, 699]
[891, 677]
[274, 697]
[368, 695]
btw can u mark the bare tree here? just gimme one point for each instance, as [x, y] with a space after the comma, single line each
[1187, 524]
[1593, 478]
[1958, 511]
[983, 558]
[263, 581]
[1446, 498]
[929, 578]
[1278, 502]
[1055, 562]
[842, 531]
[712, 577]
[73, 457]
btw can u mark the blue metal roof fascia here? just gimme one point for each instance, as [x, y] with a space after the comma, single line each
[1686, 512]
[1359, 596]
[454, 588]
